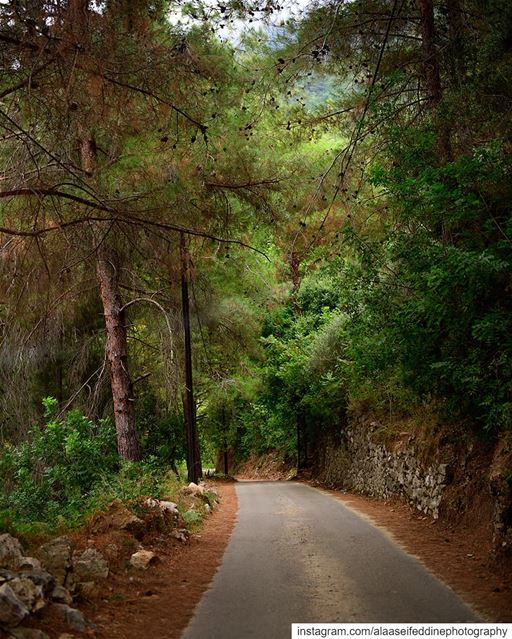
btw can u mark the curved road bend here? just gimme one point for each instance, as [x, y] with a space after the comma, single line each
[299, 555]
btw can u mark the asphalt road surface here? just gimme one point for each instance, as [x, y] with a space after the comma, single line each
[300, 555]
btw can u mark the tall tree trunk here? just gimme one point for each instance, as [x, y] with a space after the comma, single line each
[433, 75]
[430, 60]
[107, 273]
[457, 48]
[294, 259]
[107, 270]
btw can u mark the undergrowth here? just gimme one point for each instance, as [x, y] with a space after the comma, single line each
[67, 469]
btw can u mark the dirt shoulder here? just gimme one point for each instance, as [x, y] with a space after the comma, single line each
[159, 601]
[457, 555]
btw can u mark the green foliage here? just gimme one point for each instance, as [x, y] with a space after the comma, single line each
[192, 519]
[384, 212]
[66, 469]
[161, 431]
[448, 314]
[301, 381]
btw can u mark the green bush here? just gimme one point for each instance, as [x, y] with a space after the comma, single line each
[66, 469]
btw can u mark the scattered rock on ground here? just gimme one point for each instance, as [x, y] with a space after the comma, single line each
[143, 558]
[55, 556]
[12, 609]
[11, 551]
[90, 566]
[73, 617]
[181, 534]
[27, 584]
[169, 506]
[29, 563]
[40, 578]
[166, 506]
[193, 489]
[151, 503]
[61, 595]
[6, 575]
[29, 593]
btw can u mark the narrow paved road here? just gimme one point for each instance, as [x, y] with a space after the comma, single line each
[299, 555]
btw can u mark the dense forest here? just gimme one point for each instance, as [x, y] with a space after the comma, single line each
[319, 200]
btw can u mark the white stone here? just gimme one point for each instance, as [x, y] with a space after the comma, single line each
[169, 506]
[142, 559]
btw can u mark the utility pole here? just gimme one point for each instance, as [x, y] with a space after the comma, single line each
[225, 451]
[193, 454]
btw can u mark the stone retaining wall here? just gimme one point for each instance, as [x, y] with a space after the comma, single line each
[445, 479]
[357, 461]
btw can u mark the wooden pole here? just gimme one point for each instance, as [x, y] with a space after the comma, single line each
[225, 452]
[193, 455]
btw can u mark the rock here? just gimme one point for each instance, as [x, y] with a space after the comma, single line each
[56, 558]
[194, 489]
[6, 575]
[11, 551]
[40, 578]
[142, 559]
[181, 535]
[124, 519]
[151, 503]
[90, 566]
[207, 509]
[29, 563]
[29, 593]
[12, 609]
[73, 617]
[66, 635]
[169, 506]
[118, 517]
[28, 633]
[61, 595]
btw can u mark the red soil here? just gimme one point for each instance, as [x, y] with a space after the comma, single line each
[157, 603]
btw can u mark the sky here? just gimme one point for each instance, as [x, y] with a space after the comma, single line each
[233, 29]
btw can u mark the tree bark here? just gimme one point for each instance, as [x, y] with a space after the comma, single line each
[432, 74]
[117, 354]
[430, 60]
[107, 274]
[457, 48]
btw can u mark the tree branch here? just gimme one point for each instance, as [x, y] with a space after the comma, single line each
[246, 185]
[117, 217]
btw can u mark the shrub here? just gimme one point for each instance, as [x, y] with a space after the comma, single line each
[66, 469]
